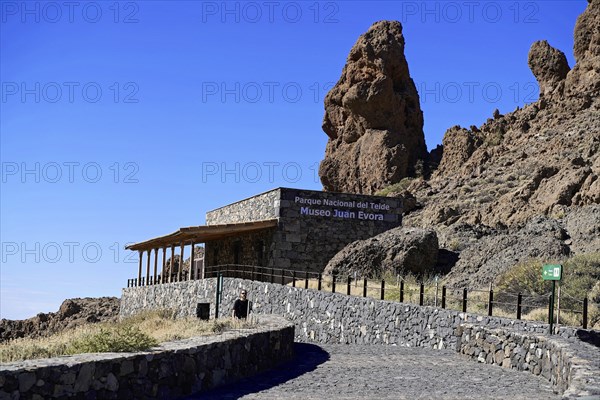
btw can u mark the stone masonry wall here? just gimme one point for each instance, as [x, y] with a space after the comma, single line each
[311, 232]
[169, 371]
[571, 366]
[257, 208]
[222, 251]
[313, 225]
[336, 318]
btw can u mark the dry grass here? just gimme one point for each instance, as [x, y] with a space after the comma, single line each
[136, 333]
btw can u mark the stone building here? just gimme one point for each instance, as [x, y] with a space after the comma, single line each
[283, 228]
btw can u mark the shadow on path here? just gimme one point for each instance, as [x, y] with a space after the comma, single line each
[307, 357]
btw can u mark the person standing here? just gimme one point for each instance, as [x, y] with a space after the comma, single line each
[242, 306]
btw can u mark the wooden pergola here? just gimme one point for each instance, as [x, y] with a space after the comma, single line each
[188, 236]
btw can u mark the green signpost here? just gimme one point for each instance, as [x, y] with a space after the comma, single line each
[551, 272]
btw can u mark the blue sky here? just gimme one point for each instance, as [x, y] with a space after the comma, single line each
[122, 121]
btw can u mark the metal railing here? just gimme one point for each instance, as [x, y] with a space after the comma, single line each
[447, 297]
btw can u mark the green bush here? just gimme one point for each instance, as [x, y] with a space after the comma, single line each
[395, 188]
[581, 273]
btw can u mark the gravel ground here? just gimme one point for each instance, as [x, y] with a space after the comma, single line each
[384, 372]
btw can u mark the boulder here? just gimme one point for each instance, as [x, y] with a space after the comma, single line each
[398, 250]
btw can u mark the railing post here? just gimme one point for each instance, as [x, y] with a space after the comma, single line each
[293, 278]
[349, 285]
[320, 281]
[332, 283]
[306, 280]
[585, 313]
[253, 273]
[282, 276]
[519, 301]
[382, 289]
[365, 288]
[491, 303]
[401, 291]
[421, 294]
[272, 275]
[444, 296]
[464, 300]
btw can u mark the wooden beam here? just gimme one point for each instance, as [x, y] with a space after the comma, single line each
[155, 266]
[172, 263]
[162, 271]
[139, 280]
[191, 273]
[179, 271]
[148, 268]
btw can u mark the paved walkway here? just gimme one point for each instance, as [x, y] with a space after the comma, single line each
[333, 372]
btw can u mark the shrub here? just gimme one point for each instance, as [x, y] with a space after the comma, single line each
[581, 274]
[122, 338]
[395, 188]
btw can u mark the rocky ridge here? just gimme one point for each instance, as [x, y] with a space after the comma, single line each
[525, 184]
[72, 313]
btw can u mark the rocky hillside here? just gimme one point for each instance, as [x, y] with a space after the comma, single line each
[525, 184]
[72, 313]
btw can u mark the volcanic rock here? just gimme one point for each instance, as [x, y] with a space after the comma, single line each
[538, 166]
[549, 66]
[72, 313]
[372, 116]
[399, 249]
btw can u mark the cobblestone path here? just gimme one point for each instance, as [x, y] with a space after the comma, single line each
[332, 372]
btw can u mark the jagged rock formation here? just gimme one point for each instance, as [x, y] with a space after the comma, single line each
[536, 166]
[372, 116]
[72, 313]
[549, 66]
[397, 250]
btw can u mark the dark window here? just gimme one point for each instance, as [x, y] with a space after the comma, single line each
[260, 252]
[237, 252]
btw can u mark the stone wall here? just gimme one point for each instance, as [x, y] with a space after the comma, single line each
[336, 318]
[254, 249]
[311, 231]
[257, 208]
[572, 367]
[172, 370]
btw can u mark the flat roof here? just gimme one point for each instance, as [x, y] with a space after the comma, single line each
[202, 233]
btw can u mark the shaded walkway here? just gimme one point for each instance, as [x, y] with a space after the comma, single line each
[384, 372]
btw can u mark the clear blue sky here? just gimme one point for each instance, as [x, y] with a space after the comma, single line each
[122, 121]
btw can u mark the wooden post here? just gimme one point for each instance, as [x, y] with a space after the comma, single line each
[444, 296]
[180, 270]
[148, 268]
[155, 266]
[172, 263]
[519, 301]
[162, 271]
[139, 278]
[191, 274]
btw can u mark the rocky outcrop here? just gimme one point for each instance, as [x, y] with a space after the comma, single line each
[538, 163]
[72, 313]
[373, 117]
[496, 250]
[549, 66]
[397, 250]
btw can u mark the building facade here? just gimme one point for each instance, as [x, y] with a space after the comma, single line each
[312, 226]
